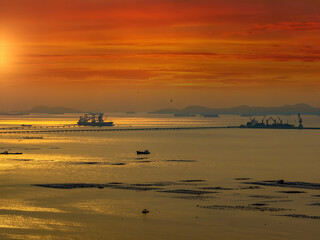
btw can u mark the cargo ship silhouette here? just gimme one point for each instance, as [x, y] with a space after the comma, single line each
[93, 120]
[265, 123]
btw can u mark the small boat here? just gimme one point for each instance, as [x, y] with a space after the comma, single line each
[184, 115]
[6, 153]
[145, 211]
[144, 152]
[32, 137]
[210, 115]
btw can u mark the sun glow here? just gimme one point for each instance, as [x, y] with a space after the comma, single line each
[2, 55]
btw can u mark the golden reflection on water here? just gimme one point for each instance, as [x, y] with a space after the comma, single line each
[108, 207]
[86, 157]
[25, 222]
[17, 140]
[20, 122]
[6, 166]
[122, 120]
[26, 206]
[32, 237]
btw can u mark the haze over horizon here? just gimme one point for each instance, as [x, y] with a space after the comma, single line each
[59, 108]
[145, 55]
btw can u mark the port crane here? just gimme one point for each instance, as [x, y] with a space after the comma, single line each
[300, 121]
[277, 123]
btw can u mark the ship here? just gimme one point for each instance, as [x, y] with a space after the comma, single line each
[184, 115]
[7, 153]
[210, 115]
[272, 123]
[143, 152]
[93, 120]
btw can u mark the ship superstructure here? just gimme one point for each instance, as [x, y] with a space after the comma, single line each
[271, 123]
[93, 119]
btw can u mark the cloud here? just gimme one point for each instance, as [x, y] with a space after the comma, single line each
[287, 26]
[163, 42]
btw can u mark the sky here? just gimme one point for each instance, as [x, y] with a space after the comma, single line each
[138, 55]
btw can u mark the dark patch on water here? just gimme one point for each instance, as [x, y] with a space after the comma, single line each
[194, 197]
[314, 204]
[249, 207]
[69, 185]
[54, 148]
[282, 183]
[181, 160]
[277, 201]
[266, 196]
[88, 163]
[301, 216]
[316, 195]
[192, 181]
[118, 164]
[94, 185]
[259, 204]
[142, 161]
[291, 192]
[136, 188]
[216, 188]
[22, 160]
[142, 184]
[158, 184]
[250, 187]
[187, 191]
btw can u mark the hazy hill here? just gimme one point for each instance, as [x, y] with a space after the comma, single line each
[53, 110]
[244, 109]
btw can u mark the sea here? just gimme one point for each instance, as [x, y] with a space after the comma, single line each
[224, 183]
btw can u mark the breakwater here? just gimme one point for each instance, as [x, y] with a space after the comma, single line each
[119, 129]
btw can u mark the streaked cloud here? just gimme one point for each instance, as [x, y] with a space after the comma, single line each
[172, 44]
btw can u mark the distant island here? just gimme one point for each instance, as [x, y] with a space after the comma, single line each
[245, 110]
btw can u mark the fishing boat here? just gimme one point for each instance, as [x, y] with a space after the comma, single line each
[143, 152]
[6, 153]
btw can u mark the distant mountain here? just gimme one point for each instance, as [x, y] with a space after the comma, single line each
[53, 110]
[13, 113]
[246, 110]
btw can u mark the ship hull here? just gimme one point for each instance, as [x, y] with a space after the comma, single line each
[210, 115]
[269, 127]
[103, 124]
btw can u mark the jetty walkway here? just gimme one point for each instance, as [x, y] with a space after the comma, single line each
[119, 129]
[110, 129]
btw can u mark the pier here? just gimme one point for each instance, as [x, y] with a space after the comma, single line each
[118, 129]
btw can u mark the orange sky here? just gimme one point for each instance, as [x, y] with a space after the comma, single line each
[138, 54]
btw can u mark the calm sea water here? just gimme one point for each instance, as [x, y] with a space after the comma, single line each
[177, 159]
